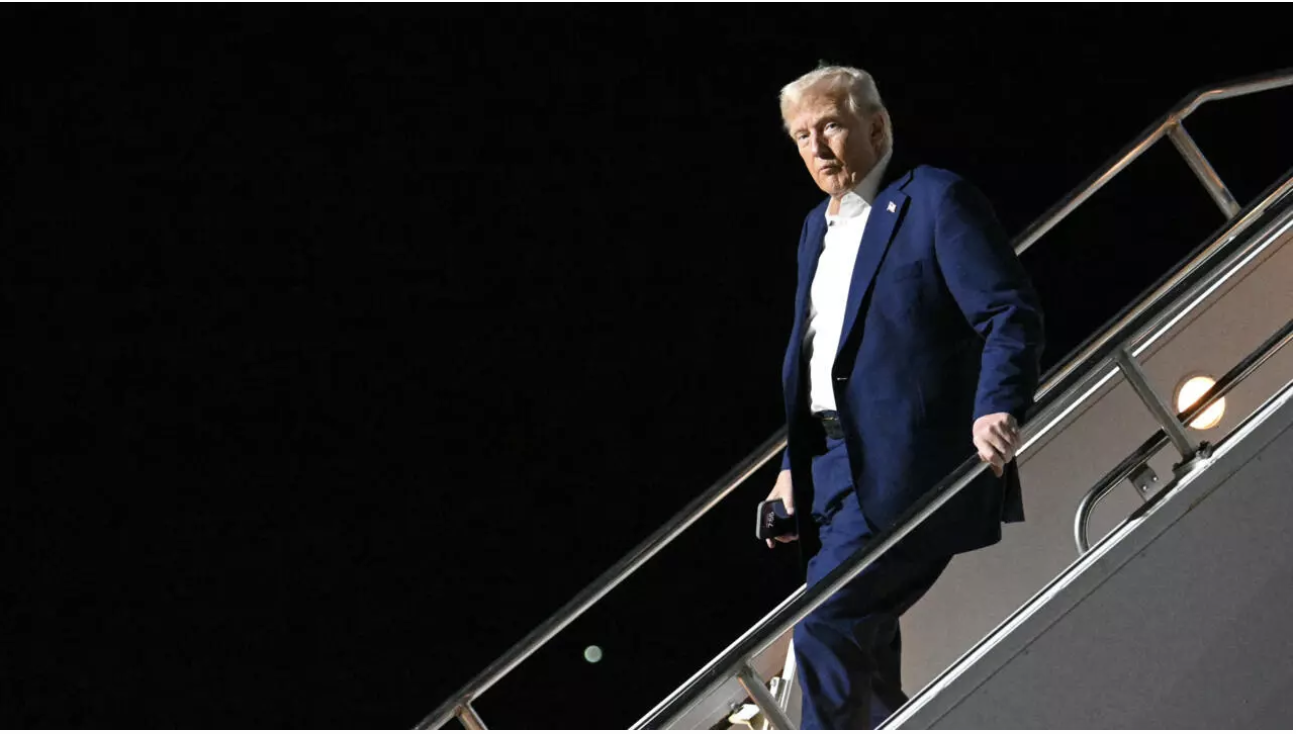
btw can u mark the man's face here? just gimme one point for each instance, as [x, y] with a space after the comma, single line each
[838, 147]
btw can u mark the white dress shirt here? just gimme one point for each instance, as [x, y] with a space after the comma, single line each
[831, 284]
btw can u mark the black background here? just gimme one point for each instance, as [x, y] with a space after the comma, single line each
[352, 342]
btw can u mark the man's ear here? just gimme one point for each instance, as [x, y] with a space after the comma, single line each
[877, 134]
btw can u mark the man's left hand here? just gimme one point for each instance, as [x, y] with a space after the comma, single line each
[997, 439]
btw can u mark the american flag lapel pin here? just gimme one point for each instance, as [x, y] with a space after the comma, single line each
[891, 206]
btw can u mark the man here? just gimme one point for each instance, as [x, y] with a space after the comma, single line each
[916, 342]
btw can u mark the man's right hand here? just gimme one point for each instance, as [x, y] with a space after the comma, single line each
[783, 491]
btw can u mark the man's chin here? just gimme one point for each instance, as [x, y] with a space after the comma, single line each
[833, 188]
[834, 184]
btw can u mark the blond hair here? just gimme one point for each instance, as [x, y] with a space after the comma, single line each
[856, 86]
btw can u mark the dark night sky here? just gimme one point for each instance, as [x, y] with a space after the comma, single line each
[352, 342]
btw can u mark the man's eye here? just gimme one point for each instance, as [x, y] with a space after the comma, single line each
[830, 126]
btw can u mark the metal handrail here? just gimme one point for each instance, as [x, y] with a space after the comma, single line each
[1131, 324]
[1158, 440]
[608, 580]
[1171, 120]
[1052, 407]
[459, 704]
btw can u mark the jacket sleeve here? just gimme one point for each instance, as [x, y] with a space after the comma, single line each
[996, 297]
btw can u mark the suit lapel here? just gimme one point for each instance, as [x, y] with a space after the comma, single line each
[888, 208]
[809, 256]
[812, 249]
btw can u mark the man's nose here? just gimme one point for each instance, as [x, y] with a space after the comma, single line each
[820, 146]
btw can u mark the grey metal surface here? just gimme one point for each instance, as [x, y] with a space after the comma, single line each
[1180, 618]
[985, 587]
[1145, 481]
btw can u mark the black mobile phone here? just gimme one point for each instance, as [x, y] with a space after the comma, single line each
[773, 520]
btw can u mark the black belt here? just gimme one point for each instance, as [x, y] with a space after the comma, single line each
[831, 422]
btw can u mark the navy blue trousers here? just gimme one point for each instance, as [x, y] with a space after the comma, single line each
[848, 650]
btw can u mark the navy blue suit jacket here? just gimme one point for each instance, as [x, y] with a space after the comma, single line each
[942, 326]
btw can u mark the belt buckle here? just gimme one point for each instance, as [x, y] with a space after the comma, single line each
[831, 425]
